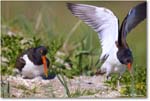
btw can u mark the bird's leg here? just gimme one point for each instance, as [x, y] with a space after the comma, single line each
[108, 72]
[118, 83]
[108, 76]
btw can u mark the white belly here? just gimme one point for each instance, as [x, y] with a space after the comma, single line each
[113, 65]
[30, 70]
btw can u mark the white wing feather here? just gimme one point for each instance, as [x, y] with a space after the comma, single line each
[102, 20]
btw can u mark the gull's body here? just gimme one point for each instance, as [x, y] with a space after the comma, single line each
[112, 64]
[30, 63]
[116, 55]
[30, 70]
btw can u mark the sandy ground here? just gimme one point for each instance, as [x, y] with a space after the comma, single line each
[86, 87]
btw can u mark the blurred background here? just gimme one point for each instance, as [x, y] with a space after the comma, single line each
[50, 20]
[53, 25]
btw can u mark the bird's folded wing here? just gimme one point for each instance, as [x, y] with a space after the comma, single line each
[102, 20]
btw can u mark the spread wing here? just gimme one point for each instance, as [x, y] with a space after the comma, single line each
[102, 20]
[136, 15]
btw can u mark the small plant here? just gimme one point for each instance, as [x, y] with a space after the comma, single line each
[80, 92]
[5, 89]
[64, 83]
[12, 46]
[135, 87]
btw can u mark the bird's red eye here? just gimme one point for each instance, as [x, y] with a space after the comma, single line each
[41, 51]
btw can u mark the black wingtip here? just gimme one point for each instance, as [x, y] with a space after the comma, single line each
[70, 6]
[68, 3]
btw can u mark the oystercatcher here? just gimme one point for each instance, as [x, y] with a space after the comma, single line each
[33, 62]
[116, 54]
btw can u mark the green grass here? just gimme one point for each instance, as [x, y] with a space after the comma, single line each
[80, 93]
[51, 24]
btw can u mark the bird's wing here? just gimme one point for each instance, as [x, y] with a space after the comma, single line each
[20, 62]
[134, 17]
[102, 20]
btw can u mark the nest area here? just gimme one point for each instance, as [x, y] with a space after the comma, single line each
[81, 87]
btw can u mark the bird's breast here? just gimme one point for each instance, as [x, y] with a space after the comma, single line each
[31, 70]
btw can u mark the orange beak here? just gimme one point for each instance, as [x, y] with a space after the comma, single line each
[129, 66]
[45, 65]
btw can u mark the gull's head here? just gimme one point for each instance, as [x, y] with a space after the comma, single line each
[124, 55]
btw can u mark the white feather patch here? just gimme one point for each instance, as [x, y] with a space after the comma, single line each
[30, 70]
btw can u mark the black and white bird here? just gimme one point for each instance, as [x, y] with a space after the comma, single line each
[116, 54]
[33, 62]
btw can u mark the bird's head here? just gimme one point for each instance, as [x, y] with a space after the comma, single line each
[125, 57]
[42, 51]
